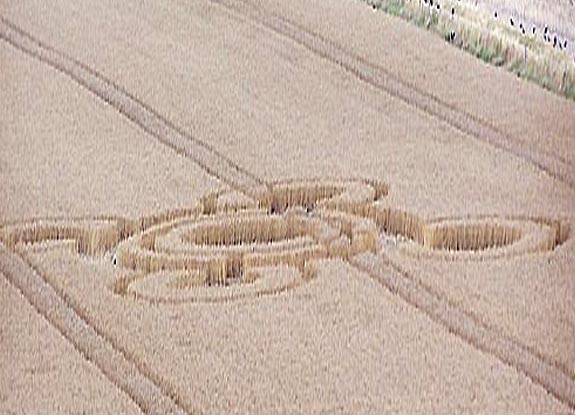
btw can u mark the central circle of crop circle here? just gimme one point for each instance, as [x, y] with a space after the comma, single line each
[223, 256]
[249, 230]
[226, 250]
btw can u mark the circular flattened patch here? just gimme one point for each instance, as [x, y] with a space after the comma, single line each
[309, 194]
[220, 257]
[484, 238]
[223, 247]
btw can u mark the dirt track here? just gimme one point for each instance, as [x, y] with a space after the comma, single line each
[251, 93]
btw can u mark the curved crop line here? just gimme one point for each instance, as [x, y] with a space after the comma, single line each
[382, 79]
[123, 288]
[361, 204]
[154, 396]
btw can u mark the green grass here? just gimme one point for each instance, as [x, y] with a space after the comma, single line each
[491, 41]
[394, 7]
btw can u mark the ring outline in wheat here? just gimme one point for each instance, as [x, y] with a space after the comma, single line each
[221, 249]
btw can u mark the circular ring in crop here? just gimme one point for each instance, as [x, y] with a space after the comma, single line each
[233, 250]
[486, 238]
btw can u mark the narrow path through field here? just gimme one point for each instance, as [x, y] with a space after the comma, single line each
[464, 325]
[152, 395]
[131, 107]
[379, 77]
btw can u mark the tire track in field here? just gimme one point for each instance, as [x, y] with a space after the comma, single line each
[147, 118]
[382, 79]
[133, 378]
[473, 332]
[151, 395]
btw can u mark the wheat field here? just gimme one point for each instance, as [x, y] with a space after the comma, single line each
[261, 206]
[535, 41]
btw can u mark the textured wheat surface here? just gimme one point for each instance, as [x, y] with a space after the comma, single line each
[278, 91]
[66, 154]
[42, 372]
[311, 348]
